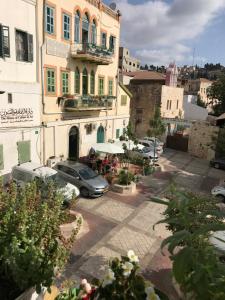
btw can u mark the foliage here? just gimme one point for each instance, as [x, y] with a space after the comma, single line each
[200, 102]
[220, 143]
[216, 92]
[157, 127]
[32, 248]
[129, 133]
[125, 177]
[196, 265]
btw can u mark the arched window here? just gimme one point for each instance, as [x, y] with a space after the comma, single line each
[85, 81]
[94, 33]
[92, 83]
[85, 29]
[77, 27]
[77, 81]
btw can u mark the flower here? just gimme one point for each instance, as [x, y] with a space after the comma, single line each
[132, 257]
[127, 267]
[109, 278]
[150, 292]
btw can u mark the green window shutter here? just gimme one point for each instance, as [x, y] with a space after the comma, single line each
[23, 151]
[117, 133]
[123, 100]
[1, 158]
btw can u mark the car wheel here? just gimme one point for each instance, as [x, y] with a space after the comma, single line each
[216, 165]
[84, 192]
[221, 198]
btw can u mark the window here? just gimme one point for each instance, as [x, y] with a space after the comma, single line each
[77, 81]
[23, 149]
[110, 87]
[88, 128]
[24, 46]
[94, 33]
[133, 64]
[77, 27]
[1, 158]
[49, 20]
[85, 82]
[101, 86]
[130, 63]
[85, 29]
[66, 27]
[103, 39]
[169, 104]
[51, 81]
[65, 82]
[177, 104]
[4, 41]
[123, 100]
[9, 98]
[112, 42]
[117, 133]
[92, 82]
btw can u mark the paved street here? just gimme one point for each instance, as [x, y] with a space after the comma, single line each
[116, 223]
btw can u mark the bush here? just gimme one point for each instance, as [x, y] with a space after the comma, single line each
[125, 177]
[32, 248]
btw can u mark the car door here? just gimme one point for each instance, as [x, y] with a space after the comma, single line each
[69, 175]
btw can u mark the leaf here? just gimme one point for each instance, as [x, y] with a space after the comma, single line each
[175, 240]
[182, 264]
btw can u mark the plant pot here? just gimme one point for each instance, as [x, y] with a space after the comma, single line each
[32, 295]
[124, 189]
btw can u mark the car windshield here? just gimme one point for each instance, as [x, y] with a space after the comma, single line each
[146, 149]
[60, 183]
[87, 173]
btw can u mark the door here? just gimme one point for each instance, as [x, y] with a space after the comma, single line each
[100, 135]
[85, 82]
[69, 175]
[74, 143]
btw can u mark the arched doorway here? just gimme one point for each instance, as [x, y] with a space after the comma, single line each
[74, 143]
[85, 82]
[100, 134]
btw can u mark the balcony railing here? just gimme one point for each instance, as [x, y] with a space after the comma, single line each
[83, 103]
[92, 53]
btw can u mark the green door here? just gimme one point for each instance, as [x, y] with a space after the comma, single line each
[100, 135]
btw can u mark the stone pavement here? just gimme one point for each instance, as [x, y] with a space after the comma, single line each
[118, 223]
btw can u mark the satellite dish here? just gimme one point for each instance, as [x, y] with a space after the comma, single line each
[112, 5]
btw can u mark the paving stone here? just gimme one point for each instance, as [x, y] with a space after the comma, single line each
[90, 203]
[97, 263]
[220, 174]
[127, 239]
[114, 210]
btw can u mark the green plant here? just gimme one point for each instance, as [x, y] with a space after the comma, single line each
[196, 265]
[125, 177]
[32, 247]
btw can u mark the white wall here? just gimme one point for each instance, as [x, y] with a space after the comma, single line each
[193, 111]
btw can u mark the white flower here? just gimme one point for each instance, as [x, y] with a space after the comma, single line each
[109, 278]
[151, 295]
[132, 257]
[127, 268]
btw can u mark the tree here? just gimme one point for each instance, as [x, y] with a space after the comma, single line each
[200, 102]
[216, 93]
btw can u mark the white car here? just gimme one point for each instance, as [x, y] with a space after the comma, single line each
[150, 144]
[154, 140]
[146, 152]
[29, 171]
[219, 192]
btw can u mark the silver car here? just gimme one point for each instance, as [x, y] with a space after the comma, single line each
[145, 153]
[89, 182]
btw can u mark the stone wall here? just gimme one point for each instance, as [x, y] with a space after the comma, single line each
[202, 140]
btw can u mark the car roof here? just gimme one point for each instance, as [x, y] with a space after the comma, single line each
[74, 165]
[36, 169]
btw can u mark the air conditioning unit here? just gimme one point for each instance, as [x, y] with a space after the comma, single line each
[52, 161]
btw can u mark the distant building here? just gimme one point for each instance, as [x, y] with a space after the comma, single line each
[127, 63]
[172, 75]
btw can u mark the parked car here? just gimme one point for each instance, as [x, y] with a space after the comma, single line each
[146, 153]
[154, 140]
[218, 163]
[29, 171]
[89, 182]
[219, 192]
[150, 144]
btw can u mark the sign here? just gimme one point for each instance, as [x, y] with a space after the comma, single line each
[16, 115]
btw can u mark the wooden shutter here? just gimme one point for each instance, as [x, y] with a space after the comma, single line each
[30, 47]
[23, 149]
[1, 158]
[124, 100]
[5, 41]
[117, 133]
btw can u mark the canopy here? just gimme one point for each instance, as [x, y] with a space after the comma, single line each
[130, 145]
[108, 148]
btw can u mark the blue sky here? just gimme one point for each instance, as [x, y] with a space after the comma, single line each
[160, 31]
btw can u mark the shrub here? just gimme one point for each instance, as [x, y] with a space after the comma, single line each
[32, 247]
[125, 177]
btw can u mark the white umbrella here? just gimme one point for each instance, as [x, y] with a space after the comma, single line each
[108, 148]
[129, 144]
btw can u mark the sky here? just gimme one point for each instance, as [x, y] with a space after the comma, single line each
[162, 31]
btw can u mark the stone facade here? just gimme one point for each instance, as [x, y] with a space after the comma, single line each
[202, 140]
[127, 63]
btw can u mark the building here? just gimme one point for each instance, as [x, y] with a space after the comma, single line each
[127, 63]
[19, 87]
[172, 75]
[82, 101]
[198, 87]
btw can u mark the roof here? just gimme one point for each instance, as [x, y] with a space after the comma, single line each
[37, 169]
[74, 165]
[146, 75]
[125, 89]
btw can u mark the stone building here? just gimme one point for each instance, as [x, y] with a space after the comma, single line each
[127, 63]
[198, 87]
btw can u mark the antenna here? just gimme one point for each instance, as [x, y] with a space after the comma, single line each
[193, 60]
[112, 5]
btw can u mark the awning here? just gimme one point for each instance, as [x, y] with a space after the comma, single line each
[108, 148]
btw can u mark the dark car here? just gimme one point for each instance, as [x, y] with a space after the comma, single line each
[88, 181]
[218, 163]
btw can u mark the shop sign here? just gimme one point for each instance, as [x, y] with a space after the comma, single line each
[16, 115]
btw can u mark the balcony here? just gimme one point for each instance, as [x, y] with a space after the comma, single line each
[91, 53]
[88, 103]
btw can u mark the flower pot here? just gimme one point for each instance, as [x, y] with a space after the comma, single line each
[32, 295]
